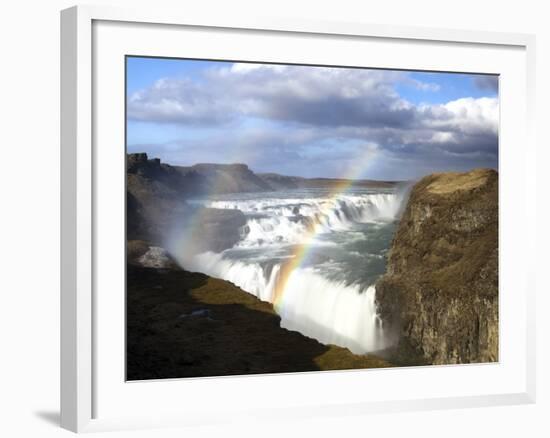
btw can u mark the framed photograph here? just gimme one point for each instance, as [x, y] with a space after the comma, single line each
[257, 208]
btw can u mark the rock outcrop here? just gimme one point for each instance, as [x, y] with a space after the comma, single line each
[157, 208]
[226, 178]
[153, 200]
[439, 296]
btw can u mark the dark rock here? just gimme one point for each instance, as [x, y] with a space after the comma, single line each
[206, 229]
[227, 178]
[200, 313]
[134, 161]
[154, 199]
[135, 249]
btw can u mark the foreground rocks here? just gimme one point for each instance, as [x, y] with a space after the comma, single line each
[439, 296]
[183, 324]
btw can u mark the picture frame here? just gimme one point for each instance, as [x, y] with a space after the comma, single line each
[92, 181]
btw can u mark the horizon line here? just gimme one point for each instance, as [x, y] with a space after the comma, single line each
[268, 173]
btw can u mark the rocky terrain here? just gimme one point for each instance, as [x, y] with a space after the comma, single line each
[439, 296]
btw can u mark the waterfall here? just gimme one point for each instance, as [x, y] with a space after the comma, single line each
[331, 309]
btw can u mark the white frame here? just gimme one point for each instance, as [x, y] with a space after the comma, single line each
[77, 199]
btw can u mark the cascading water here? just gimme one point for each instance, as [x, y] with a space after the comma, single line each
[329, 293]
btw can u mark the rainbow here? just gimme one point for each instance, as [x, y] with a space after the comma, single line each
[180, 244]
[302, 250]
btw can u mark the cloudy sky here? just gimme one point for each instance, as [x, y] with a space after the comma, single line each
[312, 121]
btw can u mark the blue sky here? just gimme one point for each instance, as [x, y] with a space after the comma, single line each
[311, 121]
[451, 86]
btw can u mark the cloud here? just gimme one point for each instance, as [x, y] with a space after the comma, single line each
[465, 124]
[179, 101]
[487, 82]
[318, 121]
[310, 95]
[459, 126]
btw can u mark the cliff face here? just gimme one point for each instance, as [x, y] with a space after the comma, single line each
[157, 207]
[166, 181]
[439, 295]
[153, 198]
[227, 178]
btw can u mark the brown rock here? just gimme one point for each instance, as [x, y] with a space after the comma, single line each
[439, 296]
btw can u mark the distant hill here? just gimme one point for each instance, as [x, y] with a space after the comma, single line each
[226, 178]
[166, 180]
[279, 182]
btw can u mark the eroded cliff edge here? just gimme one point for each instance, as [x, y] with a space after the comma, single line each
[439, 296]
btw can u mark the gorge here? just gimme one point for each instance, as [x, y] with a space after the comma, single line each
[354, 268]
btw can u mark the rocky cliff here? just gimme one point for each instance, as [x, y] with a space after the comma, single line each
[439, 296]
[157, 208]
[151, 179]
[226, 178]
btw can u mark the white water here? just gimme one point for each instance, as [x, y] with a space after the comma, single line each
[278, 221]
[250, 277]
[331, 312]
[330, 296]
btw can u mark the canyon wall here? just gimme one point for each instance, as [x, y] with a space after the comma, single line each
[439, 296]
